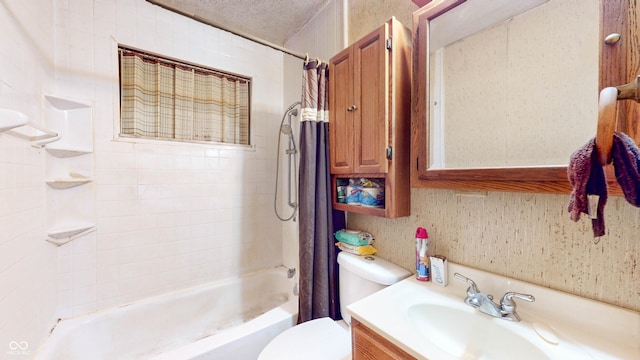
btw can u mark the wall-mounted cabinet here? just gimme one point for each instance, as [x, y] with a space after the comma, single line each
[69, 170]
[609, 64]
[369, 105]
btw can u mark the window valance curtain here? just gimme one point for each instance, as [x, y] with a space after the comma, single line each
[166, 100]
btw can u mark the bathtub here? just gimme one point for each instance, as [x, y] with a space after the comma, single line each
[229, 319]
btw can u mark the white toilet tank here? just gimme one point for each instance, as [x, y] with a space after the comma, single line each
[361, 276]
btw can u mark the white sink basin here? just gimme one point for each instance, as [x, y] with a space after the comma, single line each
[433, 322]
[467, 334]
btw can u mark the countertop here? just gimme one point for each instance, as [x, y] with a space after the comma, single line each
[585, 329]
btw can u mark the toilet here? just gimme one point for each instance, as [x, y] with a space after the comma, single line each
[324, 338]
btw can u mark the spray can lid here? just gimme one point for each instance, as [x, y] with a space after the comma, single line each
[421, 233]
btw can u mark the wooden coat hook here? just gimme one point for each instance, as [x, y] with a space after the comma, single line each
[607, 115]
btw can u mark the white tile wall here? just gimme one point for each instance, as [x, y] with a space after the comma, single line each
[28, 265]
[168, 215]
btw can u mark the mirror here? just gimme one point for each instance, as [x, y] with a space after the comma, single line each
[506, 90]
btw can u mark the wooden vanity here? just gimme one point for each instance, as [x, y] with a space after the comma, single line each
[369, 345]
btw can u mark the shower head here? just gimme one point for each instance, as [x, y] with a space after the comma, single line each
[294, 112]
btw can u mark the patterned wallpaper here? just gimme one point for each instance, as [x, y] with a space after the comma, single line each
[364, 18]
[524, 236]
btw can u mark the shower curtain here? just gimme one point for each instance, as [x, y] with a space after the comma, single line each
[318, 221]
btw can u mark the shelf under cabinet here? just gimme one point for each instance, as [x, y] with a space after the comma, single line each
[386, 211]
[366, 210]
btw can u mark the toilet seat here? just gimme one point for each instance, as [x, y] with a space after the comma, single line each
[318, 339]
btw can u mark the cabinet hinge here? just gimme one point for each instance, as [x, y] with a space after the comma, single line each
[389, 152]
[389, 43]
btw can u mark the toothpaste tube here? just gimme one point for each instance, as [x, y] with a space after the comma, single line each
[439, 269]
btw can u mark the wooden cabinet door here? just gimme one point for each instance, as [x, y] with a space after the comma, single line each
[341, 135]
[369, 106]
[620, 62]
[371, 94]
[368, 345]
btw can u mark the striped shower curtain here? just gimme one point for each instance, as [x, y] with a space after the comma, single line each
[318, 221]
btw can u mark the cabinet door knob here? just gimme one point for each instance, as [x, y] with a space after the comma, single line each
[612, 38]
[352, 107]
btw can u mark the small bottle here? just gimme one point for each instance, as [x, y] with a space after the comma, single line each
[422, 254]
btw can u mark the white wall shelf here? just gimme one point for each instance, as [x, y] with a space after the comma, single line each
[10, 119]
[65, 153]
[70, 197]
[62, 184]
[63, 235]
[63, 103]
[17, 124]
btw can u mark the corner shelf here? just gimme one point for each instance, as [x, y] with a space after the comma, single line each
[62, 184]
[63, 235]
[66, 153]
[63, 103]
[71, 213]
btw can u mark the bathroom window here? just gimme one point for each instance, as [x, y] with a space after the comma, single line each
[165, 99]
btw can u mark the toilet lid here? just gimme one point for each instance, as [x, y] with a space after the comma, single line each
[318, 339]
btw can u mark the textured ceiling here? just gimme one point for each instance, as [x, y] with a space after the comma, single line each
[271, 20]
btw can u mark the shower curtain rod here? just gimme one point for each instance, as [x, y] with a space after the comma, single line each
[195, 17]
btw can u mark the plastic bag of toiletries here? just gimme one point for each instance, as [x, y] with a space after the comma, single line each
[358, 250]
[372, 193]
[354, 237]
[353, 192]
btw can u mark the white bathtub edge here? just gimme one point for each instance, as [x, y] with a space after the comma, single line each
[286, 315]
[58, 344]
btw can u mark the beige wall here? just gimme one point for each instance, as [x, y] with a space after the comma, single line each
[28, 286]
[366, 15]
[524, 236]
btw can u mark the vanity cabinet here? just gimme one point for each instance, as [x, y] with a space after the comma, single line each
[369, 112]
[369, 345]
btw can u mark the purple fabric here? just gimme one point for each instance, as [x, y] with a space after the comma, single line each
[586, 177]
[318, 221]
[626, 161]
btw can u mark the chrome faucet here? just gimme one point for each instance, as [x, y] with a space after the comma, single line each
[505, 310]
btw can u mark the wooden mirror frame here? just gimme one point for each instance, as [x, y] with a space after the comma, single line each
[542, 179]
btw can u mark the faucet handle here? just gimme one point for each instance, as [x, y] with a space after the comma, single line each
[473, 288]
[508, 305]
